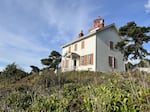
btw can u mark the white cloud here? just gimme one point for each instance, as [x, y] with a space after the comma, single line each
[11, 40]
[69, 18]
[30, 29]
[22, 50]
[147, 6]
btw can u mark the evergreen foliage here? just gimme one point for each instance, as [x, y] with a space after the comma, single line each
[78, 92]
[12, 72]
[129, 66]
[133, 39]
[143, 63]
[34, 69]
[53, 60]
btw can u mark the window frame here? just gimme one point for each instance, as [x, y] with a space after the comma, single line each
[90, 59]
[66, 63]
[110, 61]
[69, 49]
[75, 47]
[111, 45]
[82, 44]
[82, 60]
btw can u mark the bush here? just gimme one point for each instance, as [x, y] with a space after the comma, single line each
[12, 72]
[18, 101]
[81, 92]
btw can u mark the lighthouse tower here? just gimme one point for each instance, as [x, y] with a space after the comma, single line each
[98, 24]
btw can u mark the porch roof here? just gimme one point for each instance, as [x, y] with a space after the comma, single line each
[71, 54]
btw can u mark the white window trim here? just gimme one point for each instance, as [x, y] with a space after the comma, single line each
[113, 62]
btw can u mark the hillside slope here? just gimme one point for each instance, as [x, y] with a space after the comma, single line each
[78, 92]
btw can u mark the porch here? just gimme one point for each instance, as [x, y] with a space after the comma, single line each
[71, 62]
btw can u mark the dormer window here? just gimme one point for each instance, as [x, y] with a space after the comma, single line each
[111, 45]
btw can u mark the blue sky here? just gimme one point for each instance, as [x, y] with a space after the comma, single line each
[31, 29]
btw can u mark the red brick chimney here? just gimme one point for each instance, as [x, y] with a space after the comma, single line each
[81, 34]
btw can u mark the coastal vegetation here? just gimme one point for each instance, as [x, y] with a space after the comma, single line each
[77, 92]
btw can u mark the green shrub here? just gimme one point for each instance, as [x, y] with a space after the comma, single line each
[51, 104]
[12, 73]
[82, 92]
[18, 101]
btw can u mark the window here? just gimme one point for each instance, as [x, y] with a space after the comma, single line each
[90, 59]
[82, 45]
[75, 47]
[67, 63]
[63, 63]
[115, 63]
[110, 60]
[111, 45]
[82, 60]
[69, 49]
[85, 60]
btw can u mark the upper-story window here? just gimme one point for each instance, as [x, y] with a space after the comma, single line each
[69, 49]
[82, 45]
[75, 47]
[111, 45]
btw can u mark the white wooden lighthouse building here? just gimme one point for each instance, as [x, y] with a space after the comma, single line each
[94, 51]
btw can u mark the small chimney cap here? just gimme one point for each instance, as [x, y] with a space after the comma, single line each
[81, 34]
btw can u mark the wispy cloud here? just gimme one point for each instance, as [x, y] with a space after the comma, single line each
[19, 49]
[67, 19]
[20, 42]
[147, 6]
[29, 30]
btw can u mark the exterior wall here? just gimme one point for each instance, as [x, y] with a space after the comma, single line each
[98, 44]
[89, 48]
[103, 50]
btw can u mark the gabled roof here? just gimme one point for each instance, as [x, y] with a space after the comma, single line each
[90, 34]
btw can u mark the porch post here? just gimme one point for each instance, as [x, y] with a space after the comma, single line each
[71, 62]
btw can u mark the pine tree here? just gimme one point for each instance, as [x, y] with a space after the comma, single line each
[133, 39]
[53, 60]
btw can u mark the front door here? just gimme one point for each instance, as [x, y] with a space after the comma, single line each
[75, 64]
